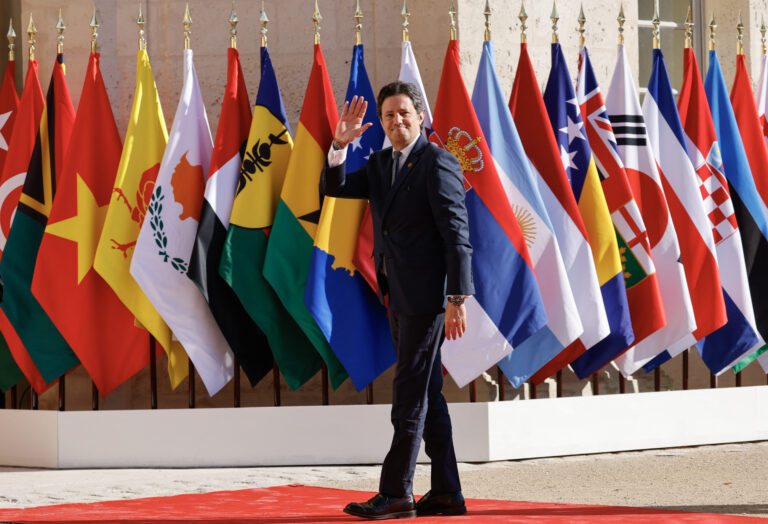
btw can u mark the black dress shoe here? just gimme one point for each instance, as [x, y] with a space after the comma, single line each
[382, 507]
[441, 504]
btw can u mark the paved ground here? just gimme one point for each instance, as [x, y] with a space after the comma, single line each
[730, 478]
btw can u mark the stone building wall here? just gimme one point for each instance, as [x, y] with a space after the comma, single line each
[290, 42]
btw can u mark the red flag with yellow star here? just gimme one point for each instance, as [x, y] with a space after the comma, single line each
[94, 322]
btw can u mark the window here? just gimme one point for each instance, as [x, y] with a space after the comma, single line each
[672, 14]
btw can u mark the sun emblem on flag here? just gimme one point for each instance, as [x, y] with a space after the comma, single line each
[465, 149]
[526, 222]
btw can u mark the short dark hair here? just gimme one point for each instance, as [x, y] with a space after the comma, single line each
[400, 88]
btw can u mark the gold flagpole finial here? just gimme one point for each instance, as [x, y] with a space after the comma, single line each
[60, 27]
[582, 20]
[31, 34]
[740, 36]
[762, 35]
[621, 19]
[452, 13]
[712, 27]
[316, 17]
[11, 37]
[233, 20]
[358, 24]
[263, 20]
[94, 25]
[142, 35]
[187, 23]
[656, 23]
[405, 14]
[523, 16]
[487, 14]
[554, 17]
[689, 29]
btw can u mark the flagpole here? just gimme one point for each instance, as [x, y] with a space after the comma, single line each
[12, 36]
[31, 33]
[452, 14]
[60, 27]
[152, 342]
[405, 14]
[233, 20]
[316, 17]
[582, 20]
[94, 25]
[358, 17]
[487, 15]
[762, 36]
[739, 51]
[142, 35]
[554, 16]
[263, 20]
[523, 16]
[621, 19]
[712, 27]
[358, 24]
[187, 23]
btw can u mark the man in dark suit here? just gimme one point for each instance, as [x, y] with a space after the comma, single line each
[422, 257]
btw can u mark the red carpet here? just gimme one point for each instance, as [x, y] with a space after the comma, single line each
[302, 504]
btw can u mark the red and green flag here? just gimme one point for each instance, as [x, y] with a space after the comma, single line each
[47, 348]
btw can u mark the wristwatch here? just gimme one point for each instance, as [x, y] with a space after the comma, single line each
[456, 300]
[337, 146]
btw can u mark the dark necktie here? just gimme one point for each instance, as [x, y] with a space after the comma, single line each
[396, 167]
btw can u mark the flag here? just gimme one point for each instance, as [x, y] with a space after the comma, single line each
[145, 141]
[736, 338]
[576, 155]
[9, 104]
[164, 245]
[49, 351]
[291, 241]
[20, 145]
[563, 325]
[527, 106]
[345, 308]
[253, 211]
[507, 306]
[753, 241]
[243, 335]
[363, 257]
[694, 231]
[96, 325]
[642, 172]
[643, 293]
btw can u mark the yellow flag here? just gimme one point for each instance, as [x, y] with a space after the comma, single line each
[143, 150]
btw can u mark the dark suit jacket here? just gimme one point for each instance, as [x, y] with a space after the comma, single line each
[419, 225]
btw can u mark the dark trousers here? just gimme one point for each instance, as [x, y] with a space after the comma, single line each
[419, 408]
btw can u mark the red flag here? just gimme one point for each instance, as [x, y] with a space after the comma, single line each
[20, 149]
[9, 103]
[20, 145]
[85, 310]
[363, 257]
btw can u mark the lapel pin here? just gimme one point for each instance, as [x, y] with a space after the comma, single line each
[410, 164]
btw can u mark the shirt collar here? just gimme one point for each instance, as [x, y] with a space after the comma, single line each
[407, 149]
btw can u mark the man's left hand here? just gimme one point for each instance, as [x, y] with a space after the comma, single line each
[455, 321]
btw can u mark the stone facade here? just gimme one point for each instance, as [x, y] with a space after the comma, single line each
[290, 42]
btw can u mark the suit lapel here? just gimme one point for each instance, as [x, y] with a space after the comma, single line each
[407, 168]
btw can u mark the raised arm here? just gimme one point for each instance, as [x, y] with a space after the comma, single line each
[350, 124]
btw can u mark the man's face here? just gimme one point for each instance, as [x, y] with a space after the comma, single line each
[401, 122]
